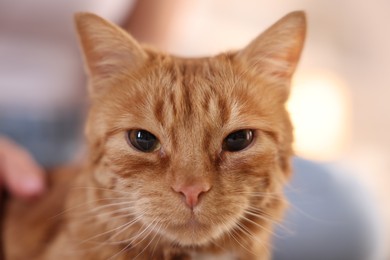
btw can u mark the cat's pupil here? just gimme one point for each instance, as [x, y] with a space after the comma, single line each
[143, 140]
[238, 140]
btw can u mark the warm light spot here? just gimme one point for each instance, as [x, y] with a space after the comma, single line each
[320, 111]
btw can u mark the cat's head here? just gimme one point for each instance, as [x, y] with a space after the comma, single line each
[199, 146]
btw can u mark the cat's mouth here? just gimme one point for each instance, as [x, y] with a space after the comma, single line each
[192, 223]
[192, 233]
[195, 230]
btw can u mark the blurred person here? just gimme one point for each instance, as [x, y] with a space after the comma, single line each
[18, 170]
[42, 96]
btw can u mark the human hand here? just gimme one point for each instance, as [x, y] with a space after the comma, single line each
[19, 173]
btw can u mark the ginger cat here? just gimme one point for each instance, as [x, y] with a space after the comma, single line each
[187, 157]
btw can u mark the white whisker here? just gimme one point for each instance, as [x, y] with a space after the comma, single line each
[258, 225]
[151, 240]
[245, 230]
[238, 241]
[81, 205]
[122, 227]
[131, 240]
[102, 189]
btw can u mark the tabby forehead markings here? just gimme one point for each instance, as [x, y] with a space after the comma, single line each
[190, 99]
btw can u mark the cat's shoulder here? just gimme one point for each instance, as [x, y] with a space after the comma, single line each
[32, 225]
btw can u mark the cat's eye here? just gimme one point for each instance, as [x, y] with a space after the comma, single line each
[238, 140]
[143, 140]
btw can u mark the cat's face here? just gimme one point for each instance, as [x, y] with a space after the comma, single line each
[197, 146]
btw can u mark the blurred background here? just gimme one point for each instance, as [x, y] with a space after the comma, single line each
[340, 93]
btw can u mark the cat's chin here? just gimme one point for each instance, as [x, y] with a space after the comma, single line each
[194, 233]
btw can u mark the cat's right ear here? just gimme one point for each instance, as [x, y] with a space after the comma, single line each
[276, 51]
[107, 49]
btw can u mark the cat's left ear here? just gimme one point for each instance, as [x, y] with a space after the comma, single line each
[108, 50]
[276, 51]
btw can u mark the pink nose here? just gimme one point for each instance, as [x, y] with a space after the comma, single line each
[192, 192]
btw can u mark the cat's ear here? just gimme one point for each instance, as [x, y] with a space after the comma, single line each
[108, 49]
[277, 50]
